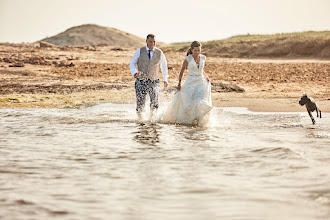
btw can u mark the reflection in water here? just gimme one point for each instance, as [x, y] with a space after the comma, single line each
[195, 134]
[147, 134]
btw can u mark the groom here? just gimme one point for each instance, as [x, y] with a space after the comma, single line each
[148, 59]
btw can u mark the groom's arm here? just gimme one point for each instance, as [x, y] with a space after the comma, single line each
[163, 67]
[133, 62]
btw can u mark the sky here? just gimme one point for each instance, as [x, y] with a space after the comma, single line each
[170, 20]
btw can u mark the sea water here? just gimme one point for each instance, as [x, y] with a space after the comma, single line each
[101, 163]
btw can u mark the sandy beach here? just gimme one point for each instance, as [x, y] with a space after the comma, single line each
[34, 76]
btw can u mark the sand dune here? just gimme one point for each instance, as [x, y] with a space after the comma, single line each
[290, 45]
[90, 34]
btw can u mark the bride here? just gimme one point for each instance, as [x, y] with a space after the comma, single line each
[192, 103]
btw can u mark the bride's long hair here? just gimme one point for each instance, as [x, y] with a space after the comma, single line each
[192, 45]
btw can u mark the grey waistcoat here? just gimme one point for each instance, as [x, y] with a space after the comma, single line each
[149, 69]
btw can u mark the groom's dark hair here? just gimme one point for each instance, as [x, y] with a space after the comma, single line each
[150, 36]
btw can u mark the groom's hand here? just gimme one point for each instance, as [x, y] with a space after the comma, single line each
[136, 75]
[165, 84]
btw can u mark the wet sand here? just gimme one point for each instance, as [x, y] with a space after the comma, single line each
[74, 76]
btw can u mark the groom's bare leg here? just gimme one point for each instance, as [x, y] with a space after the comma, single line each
[153, 113]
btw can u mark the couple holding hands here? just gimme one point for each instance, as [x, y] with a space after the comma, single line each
[192, 104]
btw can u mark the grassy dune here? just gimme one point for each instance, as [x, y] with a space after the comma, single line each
[309, 44]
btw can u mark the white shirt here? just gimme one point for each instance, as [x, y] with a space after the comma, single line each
[163, 62]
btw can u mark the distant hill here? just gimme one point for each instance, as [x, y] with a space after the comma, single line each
[309, 44]
[91, 34]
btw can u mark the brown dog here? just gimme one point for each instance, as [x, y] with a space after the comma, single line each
[310, 106]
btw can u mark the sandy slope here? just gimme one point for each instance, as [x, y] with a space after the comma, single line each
[309, 44]
[91, 34]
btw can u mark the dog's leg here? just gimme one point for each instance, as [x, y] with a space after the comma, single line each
[310, 115]
[317, 112]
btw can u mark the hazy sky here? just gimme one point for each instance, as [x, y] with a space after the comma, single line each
[170, 20]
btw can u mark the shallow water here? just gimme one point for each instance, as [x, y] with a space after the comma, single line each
[100, 163]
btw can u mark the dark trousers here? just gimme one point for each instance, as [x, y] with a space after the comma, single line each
[142, 87]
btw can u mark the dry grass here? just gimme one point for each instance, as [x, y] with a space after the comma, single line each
[289, 45]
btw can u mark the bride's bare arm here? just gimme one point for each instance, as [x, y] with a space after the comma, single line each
[206, 76]
[184, 66]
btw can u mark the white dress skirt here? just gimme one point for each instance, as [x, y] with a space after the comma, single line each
[192, 104]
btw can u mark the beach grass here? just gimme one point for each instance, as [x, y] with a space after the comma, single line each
[290, 45]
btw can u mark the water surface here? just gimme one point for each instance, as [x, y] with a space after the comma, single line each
[100, 163]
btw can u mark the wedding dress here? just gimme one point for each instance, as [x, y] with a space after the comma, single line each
[192, 104]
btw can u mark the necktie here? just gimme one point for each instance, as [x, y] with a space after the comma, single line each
[149, 51]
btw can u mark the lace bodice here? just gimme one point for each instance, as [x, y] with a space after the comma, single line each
[193, 68]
